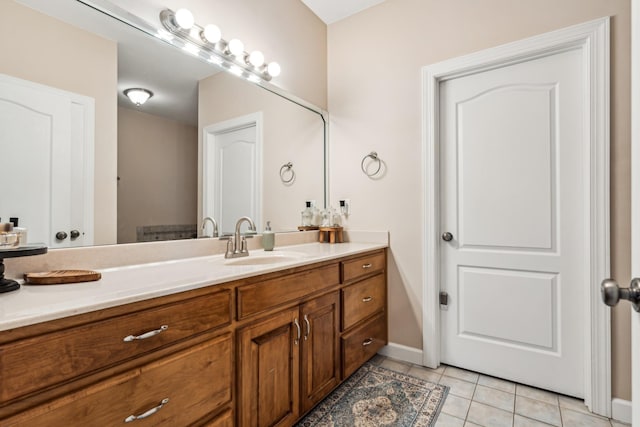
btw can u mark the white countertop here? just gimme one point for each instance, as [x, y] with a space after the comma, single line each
[122, 285]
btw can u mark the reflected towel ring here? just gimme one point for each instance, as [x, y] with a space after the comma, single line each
[287, 168]
[374, 157]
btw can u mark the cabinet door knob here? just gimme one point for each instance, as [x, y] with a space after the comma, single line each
[367, 299]
[367, 342]
[61, 235]
[75, 234]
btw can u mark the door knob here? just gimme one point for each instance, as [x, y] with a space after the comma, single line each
[612, 293]
[447, 237]
[75, 234]
[61, 235]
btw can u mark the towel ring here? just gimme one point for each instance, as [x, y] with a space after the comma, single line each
[287, 168]
[374, 157]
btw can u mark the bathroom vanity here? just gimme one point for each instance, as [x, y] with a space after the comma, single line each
[246, 345]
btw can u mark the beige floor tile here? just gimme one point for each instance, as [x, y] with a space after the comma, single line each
[425, 373]
[470, 424]
[461, 374]
[536, 393]
[538, 410]
[489, 416]
[445, 420]
[493, 397]
[497, 383]
[396, 365]
[456, 406]
[520, 421]
[578, 419]
[615, 423]
[458, 387]
[573, 404]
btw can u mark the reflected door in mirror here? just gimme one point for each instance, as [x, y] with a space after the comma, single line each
[47, 138]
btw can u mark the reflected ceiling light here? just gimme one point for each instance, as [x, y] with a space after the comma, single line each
[184, 19]
[236, 47]
[213, 48]
[212, 34]
[138, 95]
[273, 69]
[256, 58]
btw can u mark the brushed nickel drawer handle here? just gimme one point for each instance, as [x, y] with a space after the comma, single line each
[365, 266]
[297, 340]
[148, 413]
[367, 342]
[367, 299]
[146, 334]
[306, 320]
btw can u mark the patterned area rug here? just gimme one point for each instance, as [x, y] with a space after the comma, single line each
[375, 396]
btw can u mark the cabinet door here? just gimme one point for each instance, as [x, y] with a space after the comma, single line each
[320, 348]
[269, 368]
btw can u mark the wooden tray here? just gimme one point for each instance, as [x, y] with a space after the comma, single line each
[58, 277]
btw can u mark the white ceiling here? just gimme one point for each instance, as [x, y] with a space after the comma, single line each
[331, 11]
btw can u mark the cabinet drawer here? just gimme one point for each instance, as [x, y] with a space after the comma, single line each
[262, 296]
[362, 299]
[42, 361]
[195, 382]
[363, 343]
[360, 267]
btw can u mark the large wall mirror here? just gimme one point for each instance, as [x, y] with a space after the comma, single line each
[152, 172]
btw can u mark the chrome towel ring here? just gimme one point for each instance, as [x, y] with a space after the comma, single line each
[374, 158]
[287, 174]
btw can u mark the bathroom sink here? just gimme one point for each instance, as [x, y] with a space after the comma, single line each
[263, 258]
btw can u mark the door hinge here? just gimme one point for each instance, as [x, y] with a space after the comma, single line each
[444, 298]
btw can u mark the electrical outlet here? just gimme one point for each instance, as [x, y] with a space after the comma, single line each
[345, 206]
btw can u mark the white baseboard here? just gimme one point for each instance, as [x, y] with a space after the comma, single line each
[402, 352]
[621, 410]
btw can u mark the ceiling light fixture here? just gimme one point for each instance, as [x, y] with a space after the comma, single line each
[231, 54]
[138, 95]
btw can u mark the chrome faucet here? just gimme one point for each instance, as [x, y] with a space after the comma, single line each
[214, 224]
[237, 247]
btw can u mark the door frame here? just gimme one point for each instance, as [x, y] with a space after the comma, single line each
[635, 202]
[593, 39]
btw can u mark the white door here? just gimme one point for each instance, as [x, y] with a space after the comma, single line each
[46, 138]
[232, 171]
[512, 148]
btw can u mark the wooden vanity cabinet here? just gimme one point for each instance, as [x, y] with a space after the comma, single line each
[100, 368]
[290, 360]
[364, 309]
[260, 351]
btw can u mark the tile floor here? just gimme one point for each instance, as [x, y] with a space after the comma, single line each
[479, 400]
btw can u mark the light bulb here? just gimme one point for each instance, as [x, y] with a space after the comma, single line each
[184, 19]
[212, 33]
[236, 47]
[256, 58]
[273, 69]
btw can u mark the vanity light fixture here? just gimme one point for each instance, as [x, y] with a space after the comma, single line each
[213, 48]
[138, 95]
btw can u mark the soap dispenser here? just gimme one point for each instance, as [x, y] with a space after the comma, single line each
[268, 238]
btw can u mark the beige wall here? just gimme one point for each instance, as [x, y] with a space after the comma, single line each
[38, 48]
[157, 171]
[290, 134]
[375, 59]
